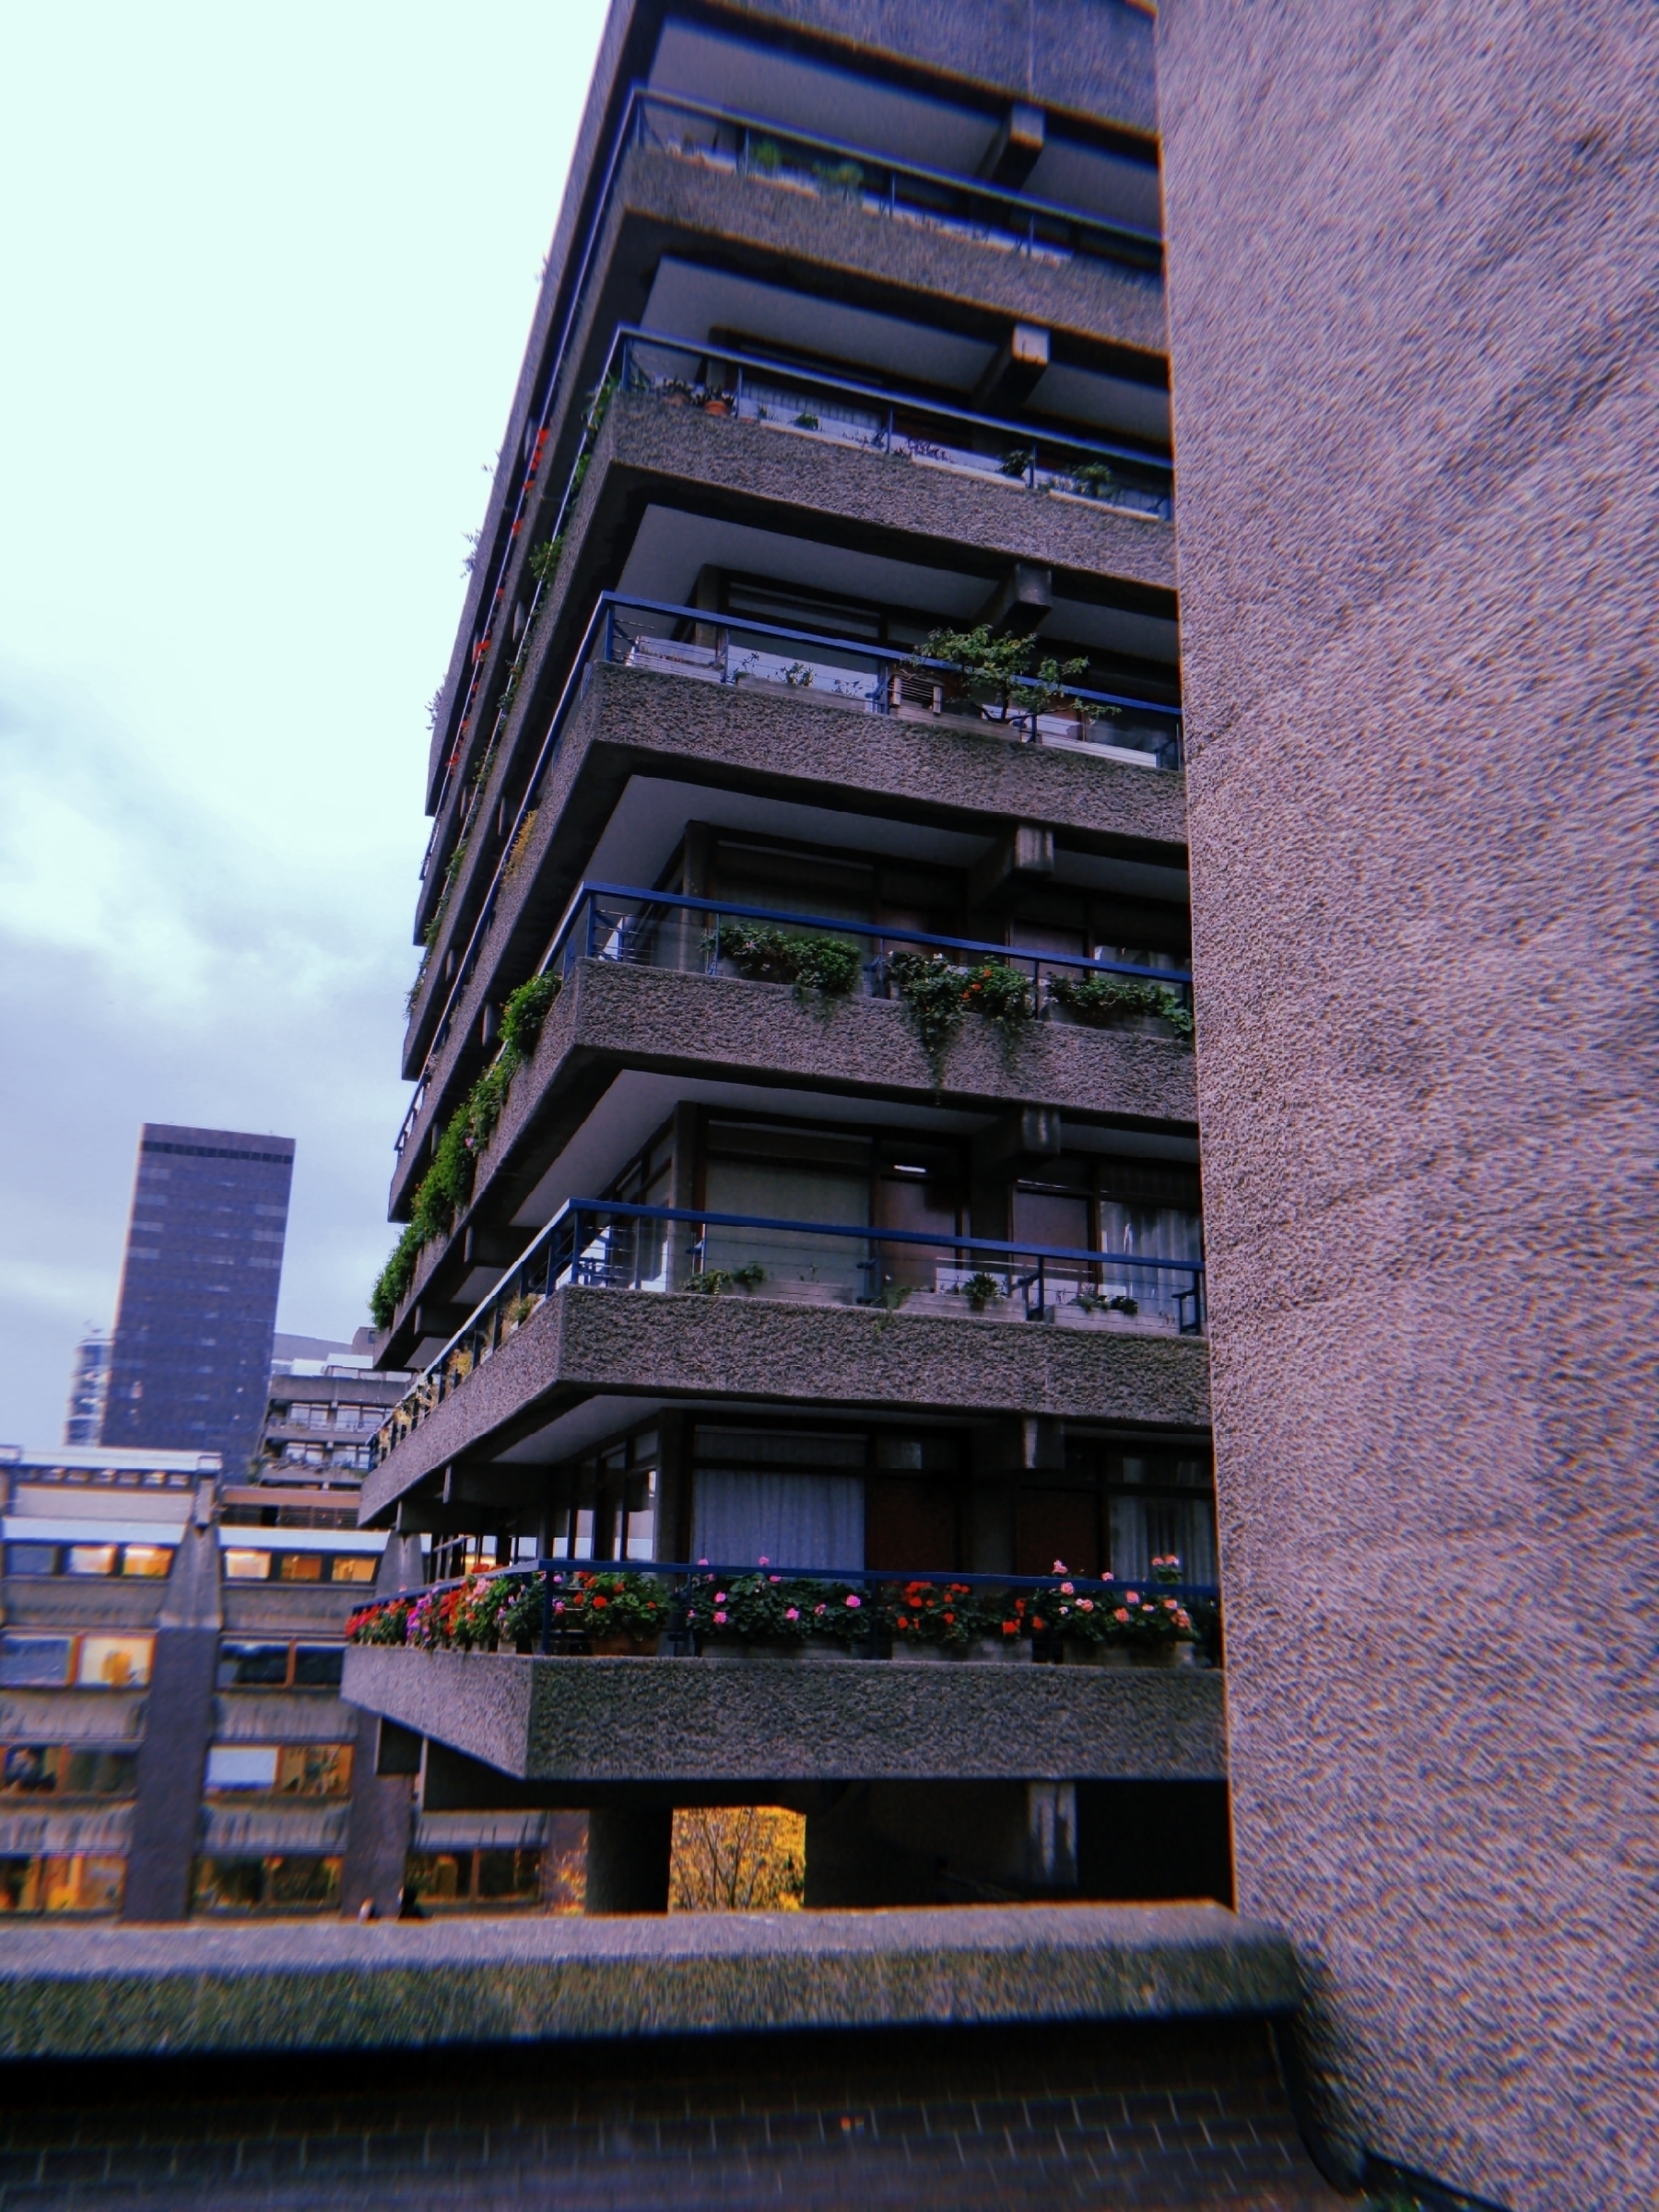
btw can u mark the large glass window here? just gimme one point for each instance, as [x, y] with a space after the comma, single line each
[34, 1661]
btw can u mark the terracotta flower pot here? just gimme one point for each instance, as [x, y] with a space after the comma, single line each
[716, 407]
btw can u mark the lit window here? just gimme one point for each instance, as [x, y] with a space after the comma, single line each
[114, 1662]
[315, 1769]
[145, 1558]
[299, 1567]
[241, 1767]
[247, 1566]
[355, 1568]
[91, 1559]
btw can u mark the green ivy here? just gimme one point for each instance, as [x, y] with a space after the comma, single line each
[442, 1191]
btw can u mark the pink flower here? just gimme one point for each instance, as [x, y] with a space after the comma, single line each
[719, 1597]
[819, 1612]
[1120, 1615]
[1132, 1597]
[720, 1620]
[764, 1561]
[1067, 1589]
[702, 1562]
[774, 1578]
[854, 1603]
[790, 1614]
[1085, 1605]
[1058, 1567]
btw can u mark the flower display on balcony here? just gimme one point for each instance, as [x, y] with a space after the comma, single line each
[617, 1610]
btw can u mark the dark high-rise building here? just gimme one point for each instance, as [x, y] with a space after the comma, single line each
[191, 1363]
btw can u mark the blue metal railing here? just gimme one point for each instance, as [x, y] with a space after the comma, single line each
[1032, 225]
[595, 932]
[608, 631]
[607, 1243]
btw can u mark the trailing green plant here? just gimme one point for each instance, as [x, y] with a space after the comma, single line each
[523, 1014]
[765, 154]
[709, 1282]
[443, 1190]
[1004, 672]
[937, 995]
[807, 422]
[1103, 998]
[544, 560]
[1091, 1301]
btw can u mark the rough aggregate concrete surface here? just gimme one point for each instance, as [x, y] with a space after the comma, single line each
[67, 1991]
[670, 1720]
[1413, 321]
[583, 1341]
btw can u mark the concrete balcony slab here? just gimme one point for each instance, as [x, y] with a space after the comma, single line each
[788, 1720]
[635, 723]
[582, 1343]
[612, 1016]
[102, 1992]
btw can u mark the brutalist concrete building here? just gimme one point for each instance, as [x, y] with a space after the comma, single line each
[819, 682]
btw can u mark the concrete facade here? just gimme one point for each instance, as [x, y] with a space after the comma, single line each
[1413, 337]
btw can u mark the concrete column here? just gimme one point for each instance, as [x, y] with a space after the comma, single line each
[1413, 338]
[627, 1855]
[178, 1728]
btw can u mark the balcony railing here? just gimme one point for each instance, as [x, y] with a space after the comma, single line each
[704, 936]
[669, 639]
[781, 396]
[802, 664]
[681, 1610]
[607, 1244]
[794, 160]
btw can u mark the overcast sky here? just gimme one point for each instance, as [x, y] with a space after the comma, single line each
[267, 277]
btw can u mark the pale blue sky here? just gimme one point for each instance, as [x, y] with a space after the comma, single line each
[266, 278]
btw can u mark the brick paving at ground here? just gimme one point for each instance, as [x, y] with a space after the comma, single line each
[1156, 2118]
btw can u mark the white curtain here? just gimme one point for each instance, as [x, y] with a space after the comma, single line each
[815, 1521]
[1154, 1232]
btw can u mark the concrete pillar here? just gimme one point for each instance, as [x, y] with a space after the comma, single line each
[627, 1855]
[178, 1728]
[380, 1822]
[1413, 341]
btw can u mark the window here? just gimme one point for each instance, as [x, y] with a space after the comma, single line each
[299, 1567]
[65, 1770]
[114, 1662]
[247, 1566]
[241, 1767]
[146, 1559]
[458, 1877]
[32, 1558]
[67, 1885]
[267, 1885]
[34, 1661]
[253, 1665]
[319, 1665]
[355, 1566]
[91, 1559]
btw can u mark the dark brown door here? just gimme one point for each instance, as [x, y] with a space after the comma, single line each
[911, 1526]
[1057, 1525]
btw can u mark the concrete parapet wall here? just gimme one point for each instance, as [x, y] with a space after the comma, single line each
[665, 1720]
[582, 1342]
[67, 1991]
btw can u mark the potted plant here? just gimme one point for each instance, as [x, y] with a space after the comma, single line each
[1102, 1001]
[841, 1623]
[932, 1621]
[1005, 1632]
[623, 1613]
[748, 1615]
